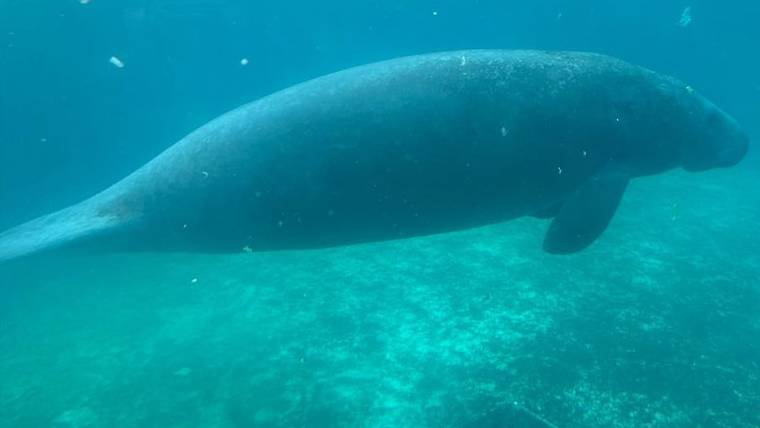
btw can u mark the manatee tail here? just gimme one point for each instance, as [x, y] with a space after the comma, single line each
[54, 230]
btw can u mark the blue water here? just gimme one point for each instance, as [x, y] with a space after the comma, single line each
[656, 325]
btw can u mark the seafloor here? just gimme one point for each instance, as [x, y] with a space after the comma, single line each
[656, 325]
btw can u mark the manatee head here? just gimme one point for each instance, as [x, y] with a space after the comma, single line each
[712, 138]
[670, 125]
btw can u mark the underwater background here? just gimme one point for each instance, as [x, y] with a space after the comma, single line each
[656, 325]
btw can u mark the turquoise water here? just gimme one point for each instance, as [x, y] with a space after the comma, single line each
[654, 326]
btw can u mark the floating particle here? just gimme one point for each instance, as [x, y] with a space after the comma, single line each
[559, 170]
[194, 281]
[116, 62]
[435, 13]
[205, 174]
[244, 61]
[685, 17]
[504, 131]
[84, 1]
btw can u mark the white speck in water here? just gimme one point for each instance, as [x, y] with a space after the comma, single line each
[617, 119]
[244, 61]
[247, 249]
[435, 13]
[689, 89]
[685, 17]
[116, 62]
[84, 1]
[504, 131]
[559, 170]
[194, 281]
[463, 61]
[585, 154]
[205, 174]
[184, 226]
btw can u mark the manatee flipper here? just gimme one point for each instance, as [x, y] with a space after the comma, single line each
[586, 213]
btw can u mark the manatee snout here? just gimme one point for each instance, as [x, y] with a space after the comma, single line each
[719, 141]
[734, 151]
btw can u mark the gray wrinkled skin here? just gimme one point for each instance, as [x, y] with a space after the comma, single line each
[408, 147]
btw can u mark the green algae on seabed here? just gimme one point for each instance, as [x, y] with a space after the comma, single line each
[654, 326]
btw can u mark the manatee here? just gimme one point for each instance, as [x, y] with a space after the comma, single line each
[407, 147]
